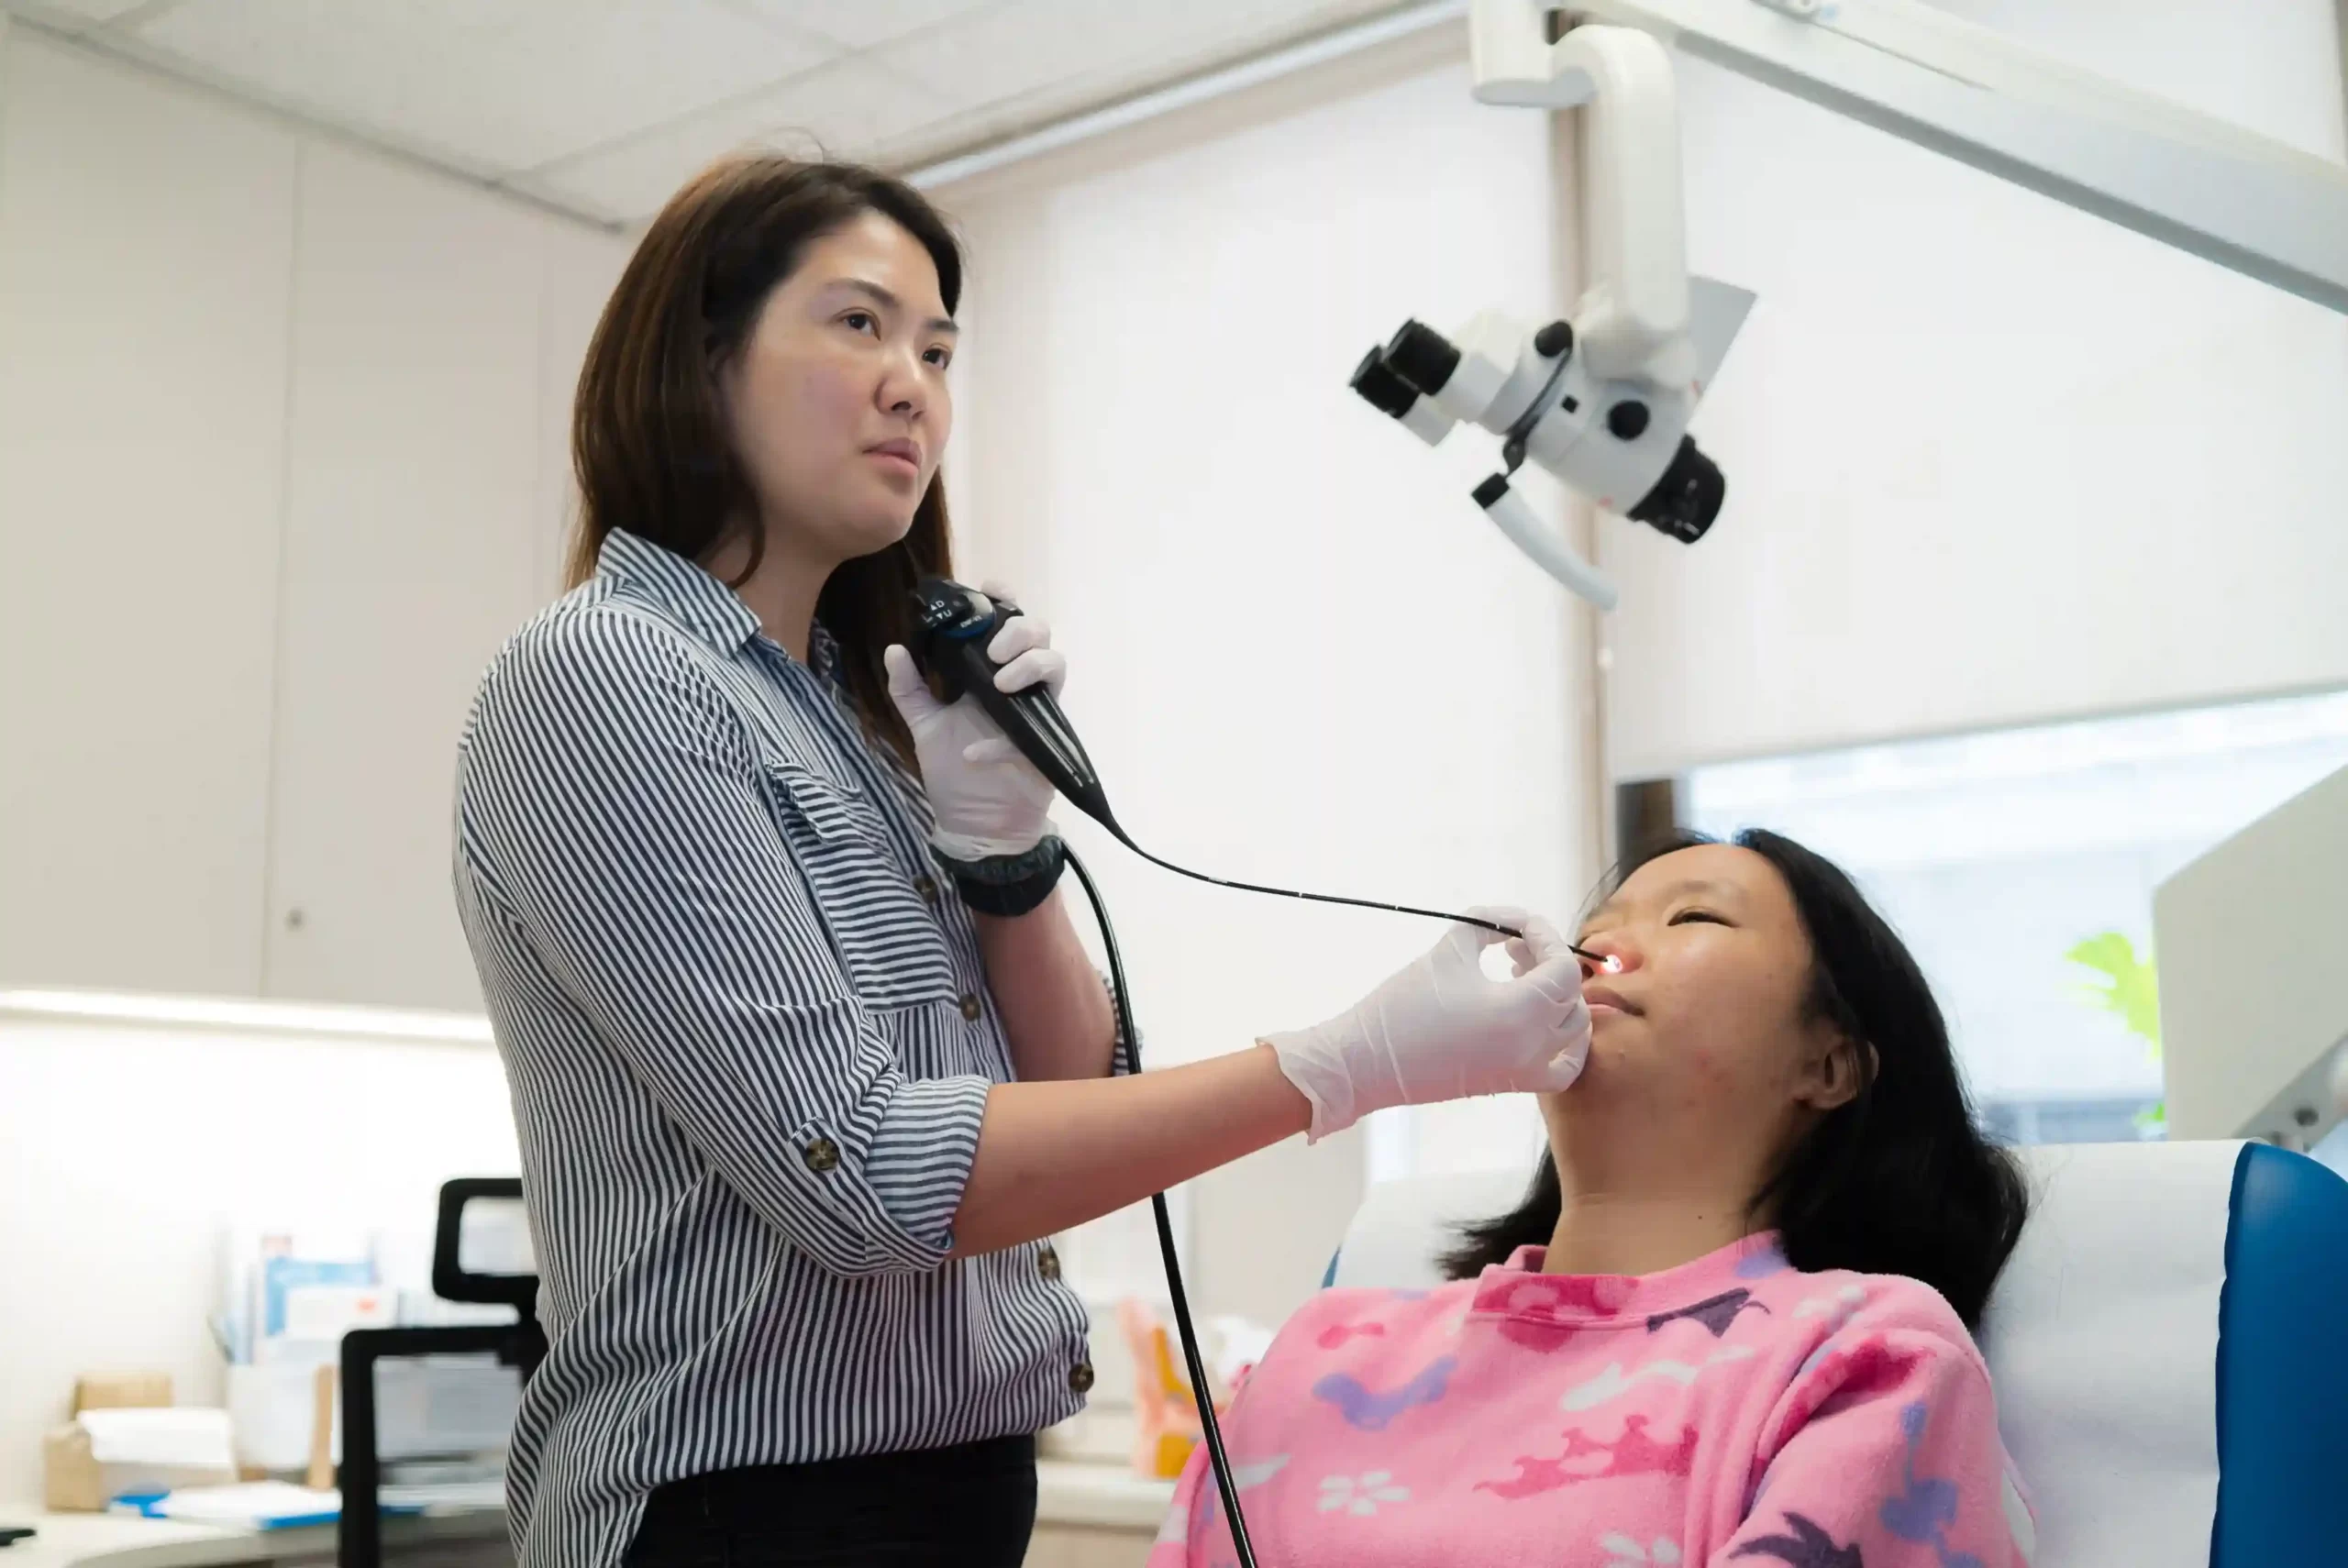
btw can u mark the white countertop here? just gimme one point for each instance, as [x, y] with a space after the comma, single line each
[1108, 1496]
[106, 1541]
[66, 1540]
[1101, 1497]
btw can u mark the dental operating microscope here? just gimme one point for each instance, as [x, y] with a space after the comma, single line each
[1601, 398]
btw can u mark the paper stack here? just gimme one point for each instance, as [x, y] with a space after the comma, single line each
[259, 1505]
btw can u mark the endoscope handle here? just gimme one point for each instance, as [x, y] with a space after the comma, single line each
[954, 626]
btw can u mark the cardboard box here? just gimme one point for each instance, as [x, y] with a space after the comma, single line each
[71, 1481]
[108, 1451]
[122, 1391]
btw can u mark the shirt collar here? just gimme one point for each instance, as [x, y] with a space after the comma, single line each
[1713, 1288]
[696, 601]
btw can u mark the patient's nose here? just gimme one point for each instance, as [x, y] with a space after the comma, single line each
[1611, 957]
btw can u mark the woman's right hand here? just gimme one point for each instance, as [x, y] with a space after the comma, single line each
[1442, 1029]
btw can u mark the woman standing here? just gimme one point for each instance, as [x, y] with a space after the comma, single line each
[806, 1060]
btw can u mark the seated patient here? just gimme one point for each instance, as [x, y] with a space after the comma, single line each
[1728, 1325]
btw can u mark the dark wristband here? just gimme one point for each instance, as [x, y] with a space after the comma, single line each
[1009, 885]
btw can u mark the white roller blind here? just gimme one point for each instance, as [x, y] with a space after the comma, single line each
[1991, 460]
[1299, 655]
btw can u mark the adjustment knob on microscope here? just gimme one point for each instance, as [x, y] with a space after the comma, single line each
[1627, 421]
[1555, 340]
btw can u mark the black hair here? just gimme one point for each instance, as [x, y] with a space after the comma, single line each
[1897, 1180]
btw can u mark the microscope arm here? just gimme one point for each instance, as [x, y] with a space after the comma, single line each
[1631, 322]
[2245, 201]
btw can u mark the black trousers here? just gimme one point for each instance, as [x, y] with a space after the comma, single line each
[972, 1506]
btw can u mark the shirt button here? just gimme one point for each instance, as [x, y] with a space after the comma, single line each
[1080, 1378]
[1047, 1263]
[823, 1155]
[927, 887]
[970, 1008]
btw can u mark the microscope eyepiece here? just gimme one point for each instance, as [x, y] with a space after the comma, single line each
[1421, 356]
[1379, 387]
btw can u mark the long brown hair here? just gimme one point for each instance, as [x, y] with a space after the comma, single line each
[647, 435]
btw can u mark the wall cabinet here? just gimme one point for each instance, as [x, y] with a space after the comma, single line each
[280, 466]
[146, 249]
[411, 474]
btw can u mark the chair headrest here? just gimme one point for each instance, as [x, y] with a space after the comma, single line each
[2102, 1338]
[481, 1246]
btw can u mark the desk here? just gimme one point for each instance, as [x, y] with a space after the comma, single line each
[1101, 1497]
[103, 1541]
[1090, 1516]
[1087, 1515]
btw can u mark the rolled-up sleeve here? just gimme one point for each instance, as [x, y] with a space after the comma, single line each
[613, 807]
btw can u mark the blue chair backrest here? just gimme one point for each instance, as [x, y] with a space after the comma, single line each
[2283, 1365]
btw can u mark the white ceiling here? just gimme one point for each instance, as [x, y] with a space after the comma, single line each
[604, 106]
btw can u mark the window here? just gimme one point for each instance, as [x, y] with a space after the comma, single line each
[2009, 859]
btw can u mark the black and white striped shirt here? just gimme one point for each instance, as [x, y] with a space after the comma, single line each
[750, 1040]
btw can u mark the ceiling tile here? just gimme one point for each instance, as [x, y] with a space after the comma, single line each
[845, 108]
[71, 16]
[1009, 50]
[606, 106]
[860, 24]
[1049, 57]
[495, 85]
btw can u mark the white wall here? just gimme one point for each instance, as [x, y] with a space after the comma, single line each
[281, 460]
[1298, 653]
[129, 1149]
[1990, 459]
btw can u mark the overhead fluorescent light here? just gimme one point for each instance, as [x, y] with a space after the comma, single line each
[257, 1016]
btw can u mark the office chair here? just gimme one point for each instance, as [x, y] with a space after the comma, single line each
[521, 1344]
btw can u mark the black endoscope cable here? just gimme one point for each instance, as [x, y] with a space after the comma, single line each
[1108, 820]
[1200, 1390]
[1130, 1039]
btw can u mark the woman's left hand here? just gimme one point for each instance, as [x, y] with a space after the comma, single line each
[989, 799]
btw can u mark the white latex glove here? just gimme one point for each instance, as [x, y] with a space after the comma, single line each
[1441, 1030]
[987, 798]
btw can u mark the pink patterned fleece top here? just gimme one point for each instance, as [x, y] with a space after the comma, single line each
[1728, 1412]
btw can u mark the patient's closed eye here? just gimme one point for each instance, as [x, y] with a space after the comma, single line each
[1686, 917]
